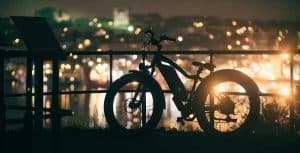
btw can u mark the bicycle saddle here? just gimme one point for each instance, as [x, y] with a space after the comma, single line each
[208, 66]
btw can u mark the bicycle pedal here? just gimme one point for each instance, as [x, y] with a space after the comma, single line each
[180, 120]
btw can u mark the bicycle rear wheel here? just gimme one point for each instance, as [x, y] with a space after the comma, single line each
[229, 104]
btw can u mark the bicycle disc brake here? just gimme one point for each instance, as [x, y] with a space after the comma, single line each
[226, 106]
[131, 104]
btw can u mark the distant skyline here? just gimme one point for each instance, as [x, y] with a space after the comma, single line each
[244, 9]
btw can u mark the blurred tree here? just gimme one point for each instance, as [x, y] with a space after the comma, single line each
[46, 12]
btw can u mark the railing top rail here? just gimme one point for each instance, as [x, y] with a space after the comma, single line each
[24, 53]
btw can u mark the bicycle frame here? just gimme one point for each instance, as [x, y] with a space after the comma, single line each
[159, 60]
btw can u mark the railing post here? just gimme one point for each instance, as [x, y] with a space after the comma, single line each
[38, 101]
[110, 67]
[55, 109]
[292, 99]
[2, 103]
[28, 113]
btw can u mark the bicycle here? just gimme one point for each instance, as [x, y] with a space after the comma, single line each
[134, 103]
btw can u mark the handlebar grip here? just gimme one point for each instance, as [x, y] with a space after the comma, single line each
[164, 37]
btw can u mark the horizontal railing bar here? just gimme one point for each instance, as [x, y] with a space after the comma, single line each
[104, 91]
[24, 53]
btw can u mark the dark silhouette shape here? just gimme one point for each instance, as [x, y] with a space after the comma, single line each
[192, 104]
[42, 45]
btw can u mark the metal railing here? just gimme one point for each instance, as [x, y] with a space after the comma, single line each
[6, 54]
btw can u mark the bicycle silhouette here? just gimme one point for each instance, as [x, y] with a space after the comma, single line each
[224, 102]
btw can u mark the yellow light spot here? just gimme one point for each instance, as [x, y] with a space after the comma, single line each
[75, 57]
[106, 36]
[285, 91]
[211, 36]
[130, 28]
[198, 24]
[228, 33]
[65, 29]
[237, 42]
[99, 25]
[77, 66]
[234, 23]
[91, 63]
[137, 31]
[87, 42]
[285, 56]
[13, 73]
[13, 84]
[99, 49]
[80, 46]
[17, 41]
[229, 47]
[110, 23]
[72, 79]
[95, 20]
[279, 38]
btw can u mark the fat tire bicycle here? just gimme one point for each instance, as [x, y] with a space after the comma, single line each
[135, 102]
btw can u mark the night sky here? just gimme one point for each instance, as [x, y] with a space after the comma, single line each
[246, 9]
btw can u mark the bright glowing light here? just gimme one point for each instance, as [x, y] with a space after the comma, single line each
[247, 39]
[64, 46]
[106, 36]
[87, 42]
[95, 20]
[220, 88]
[75, 57]
[110, 23]
[99, 49]
[99, 60]
[137, 31]
[245, 47]
[198, 24]
[100, 32]
[211, 36]
[279, 38]
[229, 47]
[77, 66]
[80, 46]
[237, 42]
[72, 79]
[250, 29]
[65, 29]
[180, 38]
[99, 25]
[285, 91]
[130, 28]
[228, 33]
[234, 23]
[68, 66]
[17, 41]
[91, 23]
[285, 56]
[90, 63]
[134, 57]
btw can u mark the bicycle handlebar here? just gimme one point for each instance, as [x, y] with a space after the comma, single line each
[156, 42]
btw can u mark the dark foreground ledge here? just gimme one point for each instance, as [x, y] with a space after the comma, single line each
[104, 141]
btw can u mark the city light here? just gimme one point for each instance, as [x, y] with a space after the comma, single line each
[130, 28]
[65, 29]
[198, 24]
[80, 46]
[180, 38]
[17, 41]
[228, 33]
[87, 42]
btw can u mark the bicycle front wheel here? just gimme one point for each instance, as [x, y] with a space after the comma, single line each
[133, 104]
